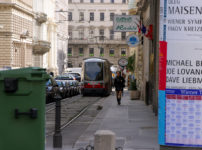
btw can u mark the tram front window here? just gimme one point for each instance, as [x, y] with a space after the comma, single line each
[93, 71]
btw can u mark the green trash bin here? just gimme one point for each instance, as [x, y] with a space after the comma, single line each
[22, 109]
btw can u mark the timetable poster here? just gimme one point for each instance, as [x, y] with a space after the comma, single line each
[183, 117]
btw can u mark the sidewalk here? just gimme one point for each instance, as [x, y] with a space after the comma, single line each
[133, 123]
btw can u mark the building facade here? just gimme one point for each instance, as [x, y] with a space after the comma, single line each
[137, 52]
[41, 45]
[91, 31]
[149, 13]
[16, 30]
[45, 50]
[62, 33]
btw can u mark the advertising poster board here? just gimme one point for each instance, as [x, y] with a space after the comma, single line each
[180, 82]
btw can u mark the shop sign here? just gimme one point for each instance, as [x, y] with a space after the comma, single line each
[126, 23]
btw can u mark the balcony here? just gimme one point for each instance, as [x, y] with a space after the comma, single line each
[41, 47]
[106, 41]
[41, 17]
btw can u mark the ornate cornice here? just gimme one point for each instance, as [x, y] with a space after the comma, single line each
[18, 7]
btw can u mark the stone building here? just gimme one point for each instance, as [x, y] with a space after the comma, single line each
[62, 33]
[90, 31]
[45, 35]
[41, 45]
[16, 30]
[137, 52]
[149, 14]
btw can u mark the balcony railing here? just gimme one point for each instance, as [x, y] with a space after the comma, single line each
[97, 41]
[41, 47]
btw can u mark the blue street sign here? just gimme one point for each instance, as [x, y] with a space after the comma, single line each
[133, 40]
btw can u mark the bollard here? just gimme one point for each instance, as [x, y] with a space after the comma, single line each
[104, 140]
[57, 137]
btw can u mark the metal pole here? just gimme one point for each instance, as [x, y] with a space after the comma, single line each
[57, 137]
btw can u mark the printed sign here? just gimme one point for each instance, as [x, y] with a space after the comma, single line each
[180, 91]
[132, 40]
[126, 23]
[123, 62]
[183, 117]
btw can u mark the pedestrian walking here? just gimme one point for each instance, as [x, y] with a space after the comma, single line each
[124, 76]
[119, 85]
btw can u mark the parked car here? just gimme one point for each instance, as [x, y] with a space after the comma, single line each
[63, 88]
[68, 89]
[71, 88]
[51, 89]
[76, 76]
[65, 77]
[75, 84]
[77, 87]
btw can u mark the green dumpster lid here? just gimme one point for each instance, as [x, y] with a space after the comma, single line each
[30, 73]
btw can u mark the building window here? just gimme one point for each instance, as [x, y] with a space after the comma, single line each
[123, 35]
[111, 34]
[69, 1]
[69, 16]
[111, 52]
[101, 51]
[69, 64]
[123, 52]
[91, 1]
[91, 51]
[112, 1]
[91, 16]
[101, 34]
[81, 16]
[81, 34]
[111, 16]
[70, 34]
[81, 1]
[69, 51]
[102, 16]
[81, 53]
[123, 1]
[124, 14]
[91, 33]
[101, 1]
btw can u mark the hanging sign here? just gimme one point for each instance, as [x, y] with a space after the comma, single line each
[123, 62]
[126, 23]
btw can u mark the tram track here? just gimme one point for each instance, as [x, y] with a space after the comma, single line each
[71, 109]
[51, 106]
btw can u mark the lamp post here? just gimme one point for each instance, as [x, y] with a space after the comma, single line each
[57, 137]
